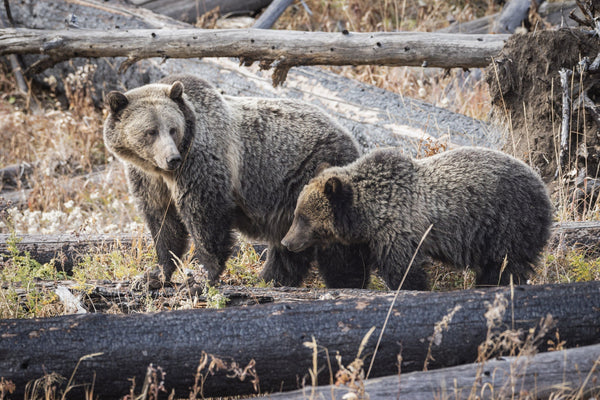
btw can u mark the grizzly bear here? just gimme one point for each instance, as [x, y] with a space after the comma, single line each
[202, 164]
[488, 211]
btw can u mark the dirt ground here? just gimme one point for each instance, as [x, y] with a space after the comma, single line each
[527, 96]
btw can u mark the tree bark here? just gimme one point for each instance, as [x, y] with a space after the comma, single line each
[512, 15]
[272, 14]
[273, 336]
[555, 13]
[67, 249]
[104, 296]
[285, 48]
[374, 116]
[190, 10]
[564, 372]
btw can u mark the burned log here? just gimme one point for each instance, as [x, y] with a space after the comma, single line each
[67, 249]
[273, 336]
[570, 373]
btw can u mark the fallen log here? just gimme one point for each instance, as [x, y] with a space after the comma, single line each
[271, 14]
[67, 249]
[554, 13]
[106, 296]
[512, 15]
[280, 49]
[273, 336]
[375, 117]
[190, 10]
[558, 374]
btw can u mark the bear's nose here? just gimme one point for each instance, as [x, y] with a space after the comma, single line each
[174, 161]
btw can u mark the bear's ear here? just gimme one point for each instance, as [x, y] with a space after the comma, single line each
[176, 90]
[322, 167]
[333, 188]
[117, 101]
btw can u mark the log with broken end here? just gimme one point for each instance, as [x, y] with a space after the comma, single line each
[285, 48]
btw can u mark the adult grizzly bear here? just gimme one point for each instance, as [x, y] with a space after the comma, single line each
[201, 164]
[487, 210]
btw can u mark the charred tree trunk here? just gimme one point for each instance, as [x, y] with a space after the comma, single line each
[562, 373]
[274, 336]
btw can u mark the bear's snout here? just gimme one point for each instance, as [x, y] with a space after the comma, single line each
[294, 242]
[173, 161]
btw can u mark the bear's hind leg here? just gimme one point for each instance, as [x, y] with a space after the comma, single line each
[285, 268]
[344, 266]
[492, 274]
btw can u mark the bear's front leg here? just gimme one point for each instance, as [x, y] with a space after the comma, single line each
[162, 219]
[393, 262]
[211, 227]
[345, 266]
[285, 268]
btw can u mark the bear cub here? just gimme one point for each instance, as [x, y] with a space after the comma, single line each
[201, 164]
[488, 211]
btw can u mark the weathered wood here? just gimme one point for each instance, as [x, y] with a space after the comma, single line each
[564, 372]
[374, 116]
[67, 249]
[582, 235]
[285, 48]
[512, 15]
[190, 10]
[272, 14]
[14, 175]
[273, 336]
[106, 296]
[555, 13]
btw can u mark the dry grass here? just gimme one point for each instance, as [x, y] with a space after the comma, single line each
[76, 186]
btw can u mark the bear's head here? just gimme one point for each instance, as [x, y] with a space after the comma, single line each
[322, 212]
[146, 126]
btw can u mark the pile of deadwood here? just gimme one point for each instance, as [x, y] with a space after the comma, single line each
[271, 340]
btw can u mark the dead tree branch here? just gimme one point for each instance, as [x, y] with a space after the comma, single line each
[272, 14]
[565, 75]
[285, 48]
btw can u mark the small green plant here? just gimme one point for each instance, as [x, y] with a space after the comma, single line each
[19, 296]
[214, 298]
[583, 270]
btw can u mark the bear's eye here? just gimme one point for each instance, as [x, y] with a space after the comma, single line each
[173, 132]
[151, 132]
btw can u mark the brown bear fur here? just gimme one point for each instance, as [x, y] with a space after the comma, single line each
[203, 164]
[484, 207]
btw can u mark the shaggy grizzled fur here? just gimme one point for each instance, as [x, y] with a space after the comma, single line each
[485, 207]
[202, 164]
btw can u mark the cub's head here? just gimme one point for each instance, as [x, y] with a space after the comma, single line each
[322, 212]
[146, 126]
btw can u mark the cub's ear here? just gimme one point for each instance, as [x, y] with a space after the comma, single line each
[176, 90]
[117, 101]
[322, 167]
[333, 188]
